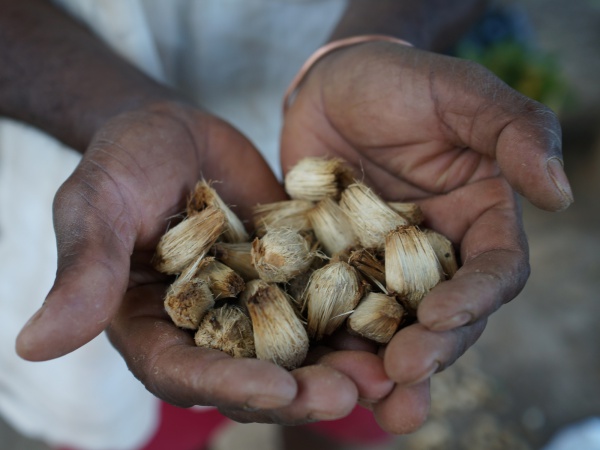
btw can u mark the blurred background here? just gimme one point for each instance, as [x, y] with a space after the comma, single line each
[536, 370]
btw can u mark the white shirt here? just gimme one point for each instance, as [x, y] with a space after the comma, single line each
[233, 57]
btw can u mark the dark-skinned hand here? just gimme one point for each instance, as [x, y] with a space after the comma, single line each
[449, 135]
[132, 181]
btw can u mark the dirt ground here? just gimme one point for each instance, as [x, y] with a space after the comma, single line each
[536, 368]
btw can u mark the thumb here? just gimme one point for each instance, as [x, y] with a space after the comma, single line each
[95, 238]
[523, 135]
[529, 154]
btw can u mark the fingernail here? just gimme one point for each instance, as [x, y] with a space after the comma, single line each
[250, 408]
[32, 321]
[554, 166]
[24, 344]
[319, 416]
[428, 374]
[266, 402]
[456, 321]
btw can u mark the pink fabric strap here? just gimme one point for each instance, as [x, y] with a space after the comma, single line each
[328, 48]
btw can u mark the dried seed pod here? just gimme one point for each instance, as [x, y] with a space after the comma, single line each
[316, 178]
[222, 280]
[296, 287]
[281, 254]
[368, 265]
[333, 291]
[284, 214]
[227, 329]
[189, 240]
[332, 227]
[377, 317]
[238, 257]
[279, 335]
[371, 217]
[410, 211]
[411, 266]
[444, 250]
[188, 299]
[204, 196]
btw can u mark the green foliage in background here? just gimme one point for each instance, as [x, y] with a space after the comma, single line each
[533, 73]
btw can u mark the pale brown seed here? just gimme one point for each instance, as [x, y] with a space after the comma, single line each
[296, 287]
[410, 211]
[238, 257]
[443, 248]
[371, 217]
[281, 254]
[204, 196]
[189, 240]
[377, 317]
[222, 280]
[332, 227]
[284, 214]
[332, 293]
[369, 266]
[227, 329]
[411, 266]
[188, 299]
[279, 335]
[316, 178]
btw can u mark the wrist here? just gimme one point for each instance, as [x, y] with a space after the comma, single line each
[147, 100]
[329, 48]
[433, 25]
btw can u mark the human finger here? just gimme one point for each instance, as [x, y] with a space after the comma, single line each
[166, 360]
[484, 218]
[415, 353]
[522, 135]
[95, 237]
[405, 409]
[323, 394]
[364, 369]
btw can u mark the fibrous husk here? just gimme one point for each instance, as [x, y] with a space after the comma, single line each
[371, 217]
[227, 329]
[332, 293]
[357, 234]
[296, 287]
[316, 178]
[332, 227]
[443, 248]
[377, 317]
[284, 214]
[410, 211]
[279, 335]
[188, 299]
[204, 196]
[281, 254]
[411, 266]
[238, 257]
[369, 266]
[189, 240]
[222, 280]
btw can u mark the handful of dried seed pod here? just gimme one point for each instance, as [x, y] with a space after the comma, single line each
[334, 254]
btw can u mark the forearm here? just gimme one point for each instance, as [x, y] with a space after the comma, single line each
[429, 24]
[58, 76]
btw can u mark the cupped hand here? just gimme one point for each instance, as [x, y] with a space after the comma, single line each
[449, 135]
[109, 215]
